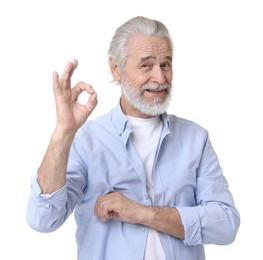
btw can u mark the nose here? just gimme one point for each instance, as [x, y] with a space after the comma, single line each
[158, 75]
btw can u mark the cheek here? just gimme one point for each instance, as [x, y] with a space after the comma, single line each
[137, 77]
[170, 77]
[138, 81]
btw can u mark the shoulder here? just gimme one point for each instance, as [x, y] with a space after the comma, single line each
[94, 124]
[185, 127]
[176, 121]
[97, 127]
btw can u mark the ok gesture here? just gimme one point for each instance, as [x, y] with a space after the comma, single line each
[70, 113]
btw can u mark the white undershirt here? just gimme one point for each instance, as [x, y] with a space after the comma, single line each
[145, 138]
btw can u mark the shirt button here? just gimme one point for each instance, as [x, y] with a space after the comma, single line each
[146, 196]
[143, 229]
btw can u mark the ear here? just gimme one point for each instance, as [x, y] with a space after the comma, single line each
[114, 68]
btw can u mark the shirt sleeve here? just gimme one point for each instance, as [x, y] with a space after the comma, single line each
[46, 212]
[214, 219]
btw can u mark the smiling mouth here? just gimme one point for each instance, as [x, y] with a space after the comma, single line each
[156, 91]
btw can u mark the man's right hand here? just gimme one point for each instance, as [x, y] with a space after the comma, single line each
[70, 113]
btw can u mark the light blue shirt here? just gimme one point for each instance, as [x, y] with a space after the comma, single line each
[187, 175]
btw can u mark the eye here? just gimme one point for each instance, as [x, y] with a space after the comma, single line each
[166, 66]
[146, 66]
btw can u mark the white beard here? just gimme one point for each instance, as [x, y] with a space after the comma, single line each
[135, 98]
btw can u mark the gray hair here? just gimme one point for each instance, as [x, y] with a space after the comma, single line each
[135, 26]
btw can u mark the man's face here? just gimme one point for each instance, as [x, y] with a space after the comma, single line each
[146, 80]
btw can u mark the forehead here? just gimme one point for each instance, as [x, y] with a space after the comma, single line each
[141, 46]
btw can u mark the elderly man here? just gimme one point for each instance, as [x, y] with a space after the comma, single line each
[143, 184]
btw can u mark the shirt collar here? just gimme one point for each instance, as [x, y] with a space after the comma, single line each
[120, 120]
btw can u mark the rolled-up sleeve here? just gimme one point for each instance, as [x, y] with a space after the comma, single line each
[213, 223]
[46, 212]
[214, 219]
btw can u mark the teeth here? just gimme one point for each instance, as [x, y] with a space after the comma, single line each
[150, 90]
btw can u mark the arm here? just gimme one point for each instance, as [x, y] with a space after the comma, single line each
[115, 205]
[70, 116]
[49, 204]
[213, 220]
[165, 219]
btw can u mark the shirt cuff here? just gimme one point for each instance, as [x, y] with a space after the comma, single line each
[57, 198]
[192, 226]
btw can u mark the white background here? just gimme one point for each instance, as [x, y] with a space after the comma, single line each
[218, 79]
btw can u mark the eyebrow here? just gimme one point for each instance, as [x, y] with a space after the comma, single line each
[153, 58]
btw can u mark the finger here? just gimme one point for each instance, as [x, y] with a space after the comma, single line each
[55, 77]
[67, 73]
[92, 100]
[55, 81]
[100, 213]
[70, 67]
[97, 208]
[79, 88]
[103, 209]
[74, 63]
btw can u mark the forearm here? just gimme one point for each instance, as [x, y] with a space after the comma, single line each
[164, 219]
[52, 171]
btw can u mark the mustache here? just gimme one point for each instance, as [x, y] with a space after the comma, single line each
[156, 87]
